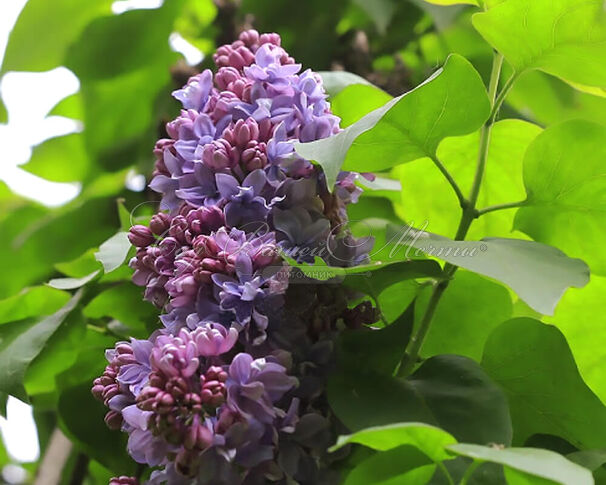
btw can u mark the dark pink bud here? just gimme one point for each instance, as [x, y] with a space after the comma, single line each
[140, 236]
[250, 38]
[97, 391]
[178, 229]
[159, 223]
[113, 420]
[226, 76]
[123, 480]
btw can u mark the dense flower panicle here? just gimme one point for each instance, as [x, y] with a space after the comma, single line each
[232, 389]
[190, 394]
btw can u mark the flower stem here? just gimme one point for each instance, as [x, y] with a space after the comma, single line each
[469, 214]
[498, 207]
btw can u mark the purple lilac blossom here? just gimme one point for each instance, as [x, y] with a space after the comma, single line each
[212, 398]
[181, 395]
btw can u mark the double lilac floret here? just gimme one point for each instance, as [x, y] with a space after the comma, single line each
[192, 394]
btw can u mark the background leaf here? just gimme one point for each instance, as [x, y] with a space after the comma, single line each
[564, 178]
[21, 342]
[427, 196]
[46, 49]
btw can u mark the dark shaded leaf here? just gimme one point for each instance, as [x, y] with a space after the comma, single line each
[533, 364]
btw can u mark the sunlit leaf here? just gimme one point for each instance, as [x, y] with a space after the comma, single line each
[427, 196]
[452, 102]
[565, 38]
[564, 178]
[578, 317]
[454, 2]
[357, 100]
[426, 438]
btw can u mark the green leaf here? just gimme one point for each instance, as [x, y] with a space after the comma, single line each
[564, 178]
[377, 350]
[565, 38]
[113, 252]
[426, 438]
[72, 283]
[532, 461]
[57, 355]
[468, 312]
[590, 459]
[539, 274]
[21, 342]
[357, 100]
[534, 365]
[61, 159]
[452, 102]
[448, 391]
[31, 48]
[578, 317]
[32, 302]
[135, 36]
[427, 196]
[400, 466]
[124, 303]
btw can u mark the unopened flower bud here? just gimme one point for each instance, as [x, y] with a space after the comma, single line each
[159, 223]
[140, 236]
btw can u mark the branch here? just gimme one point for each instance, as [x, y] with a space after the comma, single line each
[54, 460]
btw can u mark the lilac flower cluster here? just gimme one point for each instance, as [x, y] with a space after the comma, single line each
[179, 396]
[221, 392]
